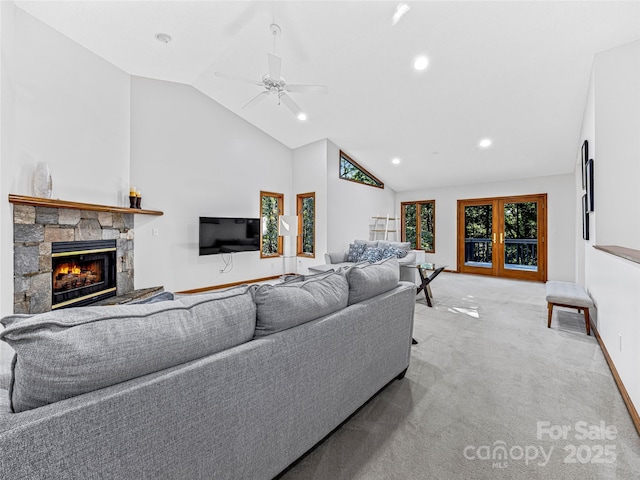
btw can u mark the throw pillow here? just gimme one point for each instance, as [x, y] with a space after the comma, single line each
[372, 255]
[64, 353]
[368, 280]
[392, 251]
[355, 252]
[288, 305]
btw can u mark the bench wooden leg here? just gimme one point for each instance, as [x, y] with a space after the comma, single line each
[550, 307]
[587, 320]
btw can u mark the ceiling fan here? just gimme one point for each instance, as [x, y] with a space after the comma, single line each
[274, 84]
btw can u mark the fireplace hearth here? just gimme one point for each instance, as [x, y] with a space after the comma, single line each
[83, 272]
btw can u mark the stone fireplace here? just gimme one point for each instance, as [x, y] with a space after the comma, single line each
[41, 235]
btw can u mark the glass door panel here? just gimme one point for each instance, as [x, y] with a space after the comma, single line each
[478, 228]
[521, 236]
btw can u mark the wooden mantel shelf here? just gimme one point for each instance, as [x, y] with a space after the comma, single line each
[54, 203]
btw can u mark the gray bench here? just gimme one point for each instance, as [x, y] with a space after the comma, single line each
[570, 295]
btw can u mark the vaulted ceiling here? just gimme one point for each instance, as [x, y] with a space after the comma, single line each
[516, 72]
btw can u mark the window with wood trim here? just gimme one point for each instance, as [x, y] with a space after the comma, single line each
[352, 171]
[419, 224]
[271, 207]
[306, 210]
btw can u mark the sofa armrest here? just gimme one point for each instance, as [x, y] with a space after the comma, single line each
[409, 259]
[335, 257]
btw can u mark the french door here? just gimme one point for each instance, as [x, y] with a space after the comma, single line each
[503, 237]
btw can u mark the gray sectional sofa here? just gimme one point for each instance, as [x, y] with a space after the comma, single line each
[236, 384]
[368, 251]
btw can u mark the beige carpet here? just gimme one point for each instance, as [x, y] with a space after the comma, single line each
[491, 393]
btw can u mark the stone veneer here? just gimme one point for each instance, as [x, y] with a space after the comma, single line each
[35, 228]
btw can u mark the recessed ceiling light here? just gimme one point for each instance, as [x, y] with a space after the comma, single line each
[163, 37]
[396, 161]
[485, 143]
[420, 63]
[302, 116]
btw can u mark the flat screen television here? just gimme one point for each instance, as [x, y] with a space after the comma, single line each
[229, 235]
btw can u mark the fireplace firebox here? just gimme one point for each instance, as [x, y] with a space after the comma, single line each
[83, 272]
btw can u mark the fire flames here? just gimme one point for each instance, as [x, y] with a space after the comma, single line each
[66, 270]
[72, 275]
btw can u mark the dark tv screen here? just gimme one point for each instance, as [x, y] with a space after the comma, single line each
[229, 235]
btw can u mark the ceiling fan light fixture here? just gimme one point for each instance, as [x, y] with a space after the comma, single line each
[272, 82]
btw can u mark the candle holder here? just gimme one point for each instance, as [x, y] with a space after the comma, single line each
[133, 200]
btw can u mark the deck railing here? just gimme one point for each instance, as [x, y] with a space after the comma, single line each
[517, 251]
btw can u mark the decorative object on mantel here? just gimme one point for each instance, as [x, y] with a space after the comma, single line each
[135, 198]
[41, 181]
[55, 203]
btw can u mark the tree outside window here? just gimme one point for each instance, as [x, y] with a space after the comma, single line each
[352, 171]
[271, 207]
[418, 224]
[306, 210]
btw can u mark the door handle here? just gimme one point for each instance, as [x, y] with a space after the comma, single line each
[501, 237]
[494, 237]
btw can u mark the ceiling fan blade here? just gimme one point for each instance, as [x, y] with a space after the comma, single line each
[275, 67]
[238, 78]
[291, 105]
[257, 99]
[321, 89]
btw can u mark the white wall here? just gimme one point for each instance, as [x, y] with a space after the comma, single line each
[617, 148]
[560, 217]
[588, 133]
[62, 105]
[611, 125]
[310, 175]
[351, 205]
[191, 157]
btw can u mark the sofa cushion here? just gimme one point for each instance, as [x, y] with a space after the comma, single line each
[367, 243]
[5, 408]
[369, 280]
[287, 305]
[399, 245]
[335, 257]
[64, 353]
